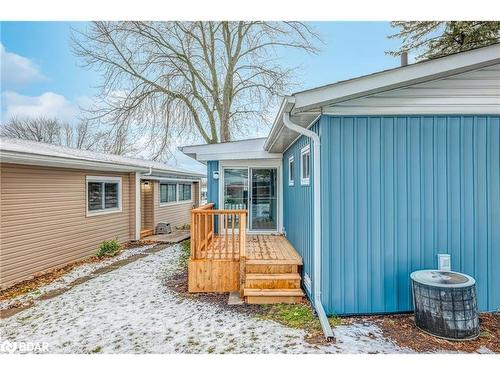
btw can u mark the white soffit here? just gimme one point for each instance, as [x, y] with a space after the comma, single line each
[237, 150]
[397, 78]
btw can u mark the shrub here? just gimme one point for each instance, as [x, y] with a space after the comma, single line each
[108, 249]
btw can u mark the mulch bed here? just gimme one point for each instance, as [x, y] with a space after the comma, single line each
[401, 329]
[178, 282]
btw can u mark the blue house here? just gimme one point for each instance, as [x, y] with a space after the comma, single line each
[371, 178]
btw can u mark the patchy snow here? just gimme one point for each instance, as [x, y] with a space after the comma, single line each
[128, 310]
[76, 273]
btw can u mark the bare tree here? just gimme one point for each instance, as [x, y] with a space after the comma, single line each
[207, 79]
[82, 135]
[40, 129]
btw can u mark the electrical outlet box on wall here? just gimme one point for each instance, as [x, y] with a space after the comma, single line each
[444, 262]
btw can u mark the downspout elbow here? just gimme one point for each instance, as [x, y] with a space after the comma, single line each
[299, 129]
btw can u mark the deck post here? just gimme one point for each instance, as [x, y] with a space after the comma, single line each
[192, 242]
[243, 255]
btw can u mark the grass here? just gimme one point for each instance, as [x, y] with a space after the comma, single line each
[298, 316]
[185, 253]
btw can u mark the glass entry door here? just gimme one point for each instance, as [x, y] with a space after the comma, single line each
[235, 189]
[263, 199]
[254, 190]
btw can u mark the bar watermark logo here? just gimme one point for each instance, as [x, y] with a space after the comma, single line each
[12, 347]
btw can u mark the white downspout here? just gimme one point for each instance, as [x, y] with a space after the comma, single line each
[318, 306]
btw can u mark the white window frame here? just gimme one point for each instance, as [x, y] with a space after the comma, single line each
[177, 187]
[291, 162]
[305, 150]
[103, 179]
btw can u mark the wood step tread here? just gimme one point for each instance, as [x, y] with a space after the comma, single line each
[297, 262]
[272, 276]
[273, 292]
[147, 232]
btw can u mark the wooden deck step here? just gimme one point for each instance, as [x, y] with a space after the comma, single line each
[146, 232]
[270, 268]
[272, 281]
[273, 292]
[269, 296]
[296, 262]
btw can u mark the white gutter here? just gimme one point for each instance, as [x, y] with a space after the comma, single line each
[166, 179]
[318, 306]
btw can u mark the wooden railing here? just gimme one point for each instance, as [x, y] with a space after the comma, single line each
[218, 234]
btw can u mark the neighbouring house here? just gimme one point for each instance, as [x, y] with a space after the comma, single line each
[371, 178]
[58, 204]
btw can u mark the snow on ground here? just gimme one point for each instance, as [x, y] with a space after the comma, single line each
[75, 273]
[130, 311]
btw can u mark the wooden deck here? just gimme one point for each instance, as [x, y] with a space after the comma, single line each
[263, 268]
[260, 249]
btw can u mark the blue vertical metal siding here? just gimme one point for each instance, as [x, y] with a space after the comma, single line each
[397, 190]
[212, 184]
[298, 205]
[213, 187]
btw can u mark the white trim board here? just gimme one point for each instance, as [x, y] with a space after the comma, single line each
[238, 150]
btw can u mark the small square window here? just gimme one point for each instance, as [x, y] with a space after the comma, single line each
[305, 165]
[103, 195]
[291, 171]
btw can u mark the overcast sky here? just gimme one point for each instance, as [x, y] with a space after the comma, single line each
[40, 75]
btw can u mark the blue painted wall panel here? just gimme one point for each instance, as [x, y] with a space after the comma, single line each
[298, 205]
[213, 187]
[212, 184]
[397, 190]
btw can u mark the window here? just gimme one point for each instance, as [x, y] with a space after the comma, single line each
[184, 192]
[103, 194]
[172, 193]
[305, 161]
[168, 193]
[291, 171]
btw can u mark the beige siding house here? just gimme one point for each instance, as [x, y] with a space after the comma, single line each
[58, 204]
